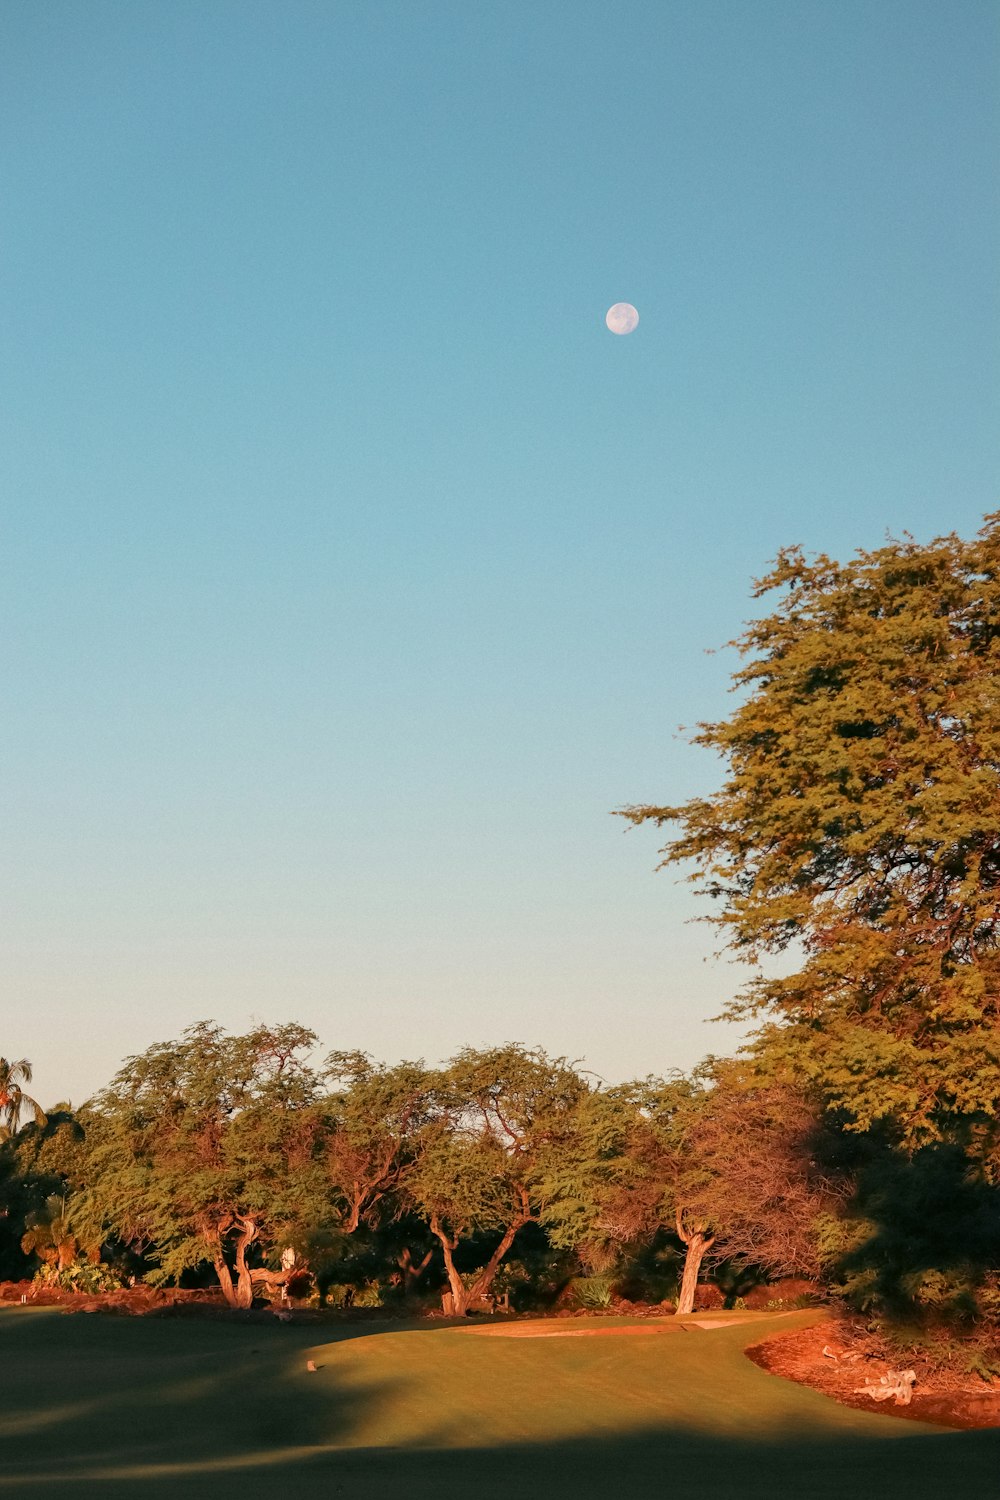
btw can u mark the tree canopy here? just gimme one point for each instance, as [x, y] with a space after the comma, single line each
[206, 1147]
[857, 831]
[501, 1117]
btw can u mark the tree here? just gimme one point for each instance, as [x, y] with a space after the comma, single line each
[750, 1181]
[375, 1116]
[13, 1099]
[720, 1159]
[857, 830]
[39, 1161]
[210, 1149]
[49, 1234]
[613, 1182]
[499, 1118]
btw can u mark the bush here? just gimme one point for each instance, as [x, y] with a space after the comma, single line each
[369, 1295]
[942, 1347]
[83, 1276]
[592, 1293]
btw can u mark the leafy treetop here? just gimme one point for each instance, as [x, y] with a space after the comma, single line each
[858, 827]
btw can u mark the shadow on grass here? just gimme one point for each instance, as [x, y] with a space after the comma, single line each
[124, 1408]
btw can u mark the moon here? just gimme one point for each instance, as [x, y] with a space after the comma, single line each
[622, 318]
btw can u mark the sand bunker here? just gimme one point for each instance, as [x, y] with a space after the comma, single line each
[714, 1322]
[550, 1329]
[560, 1331]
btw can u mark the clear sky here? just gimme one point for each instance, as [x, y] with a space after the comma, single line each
[352, 570]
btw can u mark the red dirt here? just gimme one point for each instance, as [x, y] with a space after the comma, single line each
[947, 1399]
[173, 1302]
[135, 1300]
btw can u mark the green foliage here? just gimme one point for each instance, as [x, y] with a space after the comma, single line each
[857, 830]
[620, 1168]
[203, 1148]
[499, 1120]
[984, 1362]
[375, 1115]
[969, 1349]
[89, 1277]
[497, 1125]
[592, 1293]
[536, 1273]
[369, 1295]
[38, 1162]
[915, 1246]
[48, 1234]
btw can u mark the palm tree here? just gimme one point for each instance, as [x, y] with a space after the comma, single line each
[13, 1099]
[48, 1235]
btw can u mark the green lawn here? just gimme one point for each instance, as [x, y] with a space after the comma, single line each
[96, 1406]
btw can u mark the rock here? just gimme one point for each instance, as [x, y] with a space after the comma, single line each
[897, 1384]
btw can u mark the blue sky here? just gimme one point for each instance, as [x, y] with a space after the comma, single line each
[352, 571]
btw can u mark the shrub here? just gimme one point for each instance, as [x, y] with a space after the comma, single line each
[84, 1276]
[592, 1293]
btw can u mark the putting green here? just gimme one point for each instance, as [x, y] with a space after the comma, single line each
[161, 1407]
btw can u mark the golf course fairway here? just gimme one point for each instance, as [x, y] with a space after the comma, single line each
[162, 1407]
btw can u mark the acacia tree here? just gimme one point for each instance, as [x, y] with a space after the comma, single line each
[209, 1148]
[752, 1184]
[857, 829]
[614, 1181]
[373, 1117]
[635, 1167]
[722, 1160]
[499, 1116]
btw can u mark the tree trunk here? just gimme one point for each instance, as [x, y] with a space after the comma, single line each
[244, 1283]
[697, 1243]
[484, 1280]
[411, 1271]
[225, 1279]
[239, 1294]
[455, 1301]
[460, 1298]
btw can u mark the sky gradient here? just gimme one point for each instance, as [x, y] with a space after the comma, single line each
[352, 571]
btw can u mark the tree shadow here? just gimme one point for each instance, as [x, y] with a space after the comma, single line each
[82, 1393]
[137, 1407]
[927, 1242]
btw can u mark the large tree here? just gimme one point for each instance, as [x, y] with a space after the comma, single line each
[498, 1121]
[210, 1148]
[748, 1183]
[722, 1160]
[857, 831]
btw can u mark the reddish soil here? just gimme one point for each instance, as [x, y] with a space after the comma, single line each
[172, 1302]
[949, 1399]
[135, 1300]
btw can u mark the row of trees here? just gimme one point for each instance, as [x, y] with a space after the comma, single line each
[855, 839]
[231, 1151]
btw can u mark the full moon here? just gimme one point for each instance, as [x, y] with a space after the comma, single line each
[622, 318]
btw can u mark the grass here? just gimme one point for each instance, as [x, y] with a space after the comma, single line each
[120, 1407]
